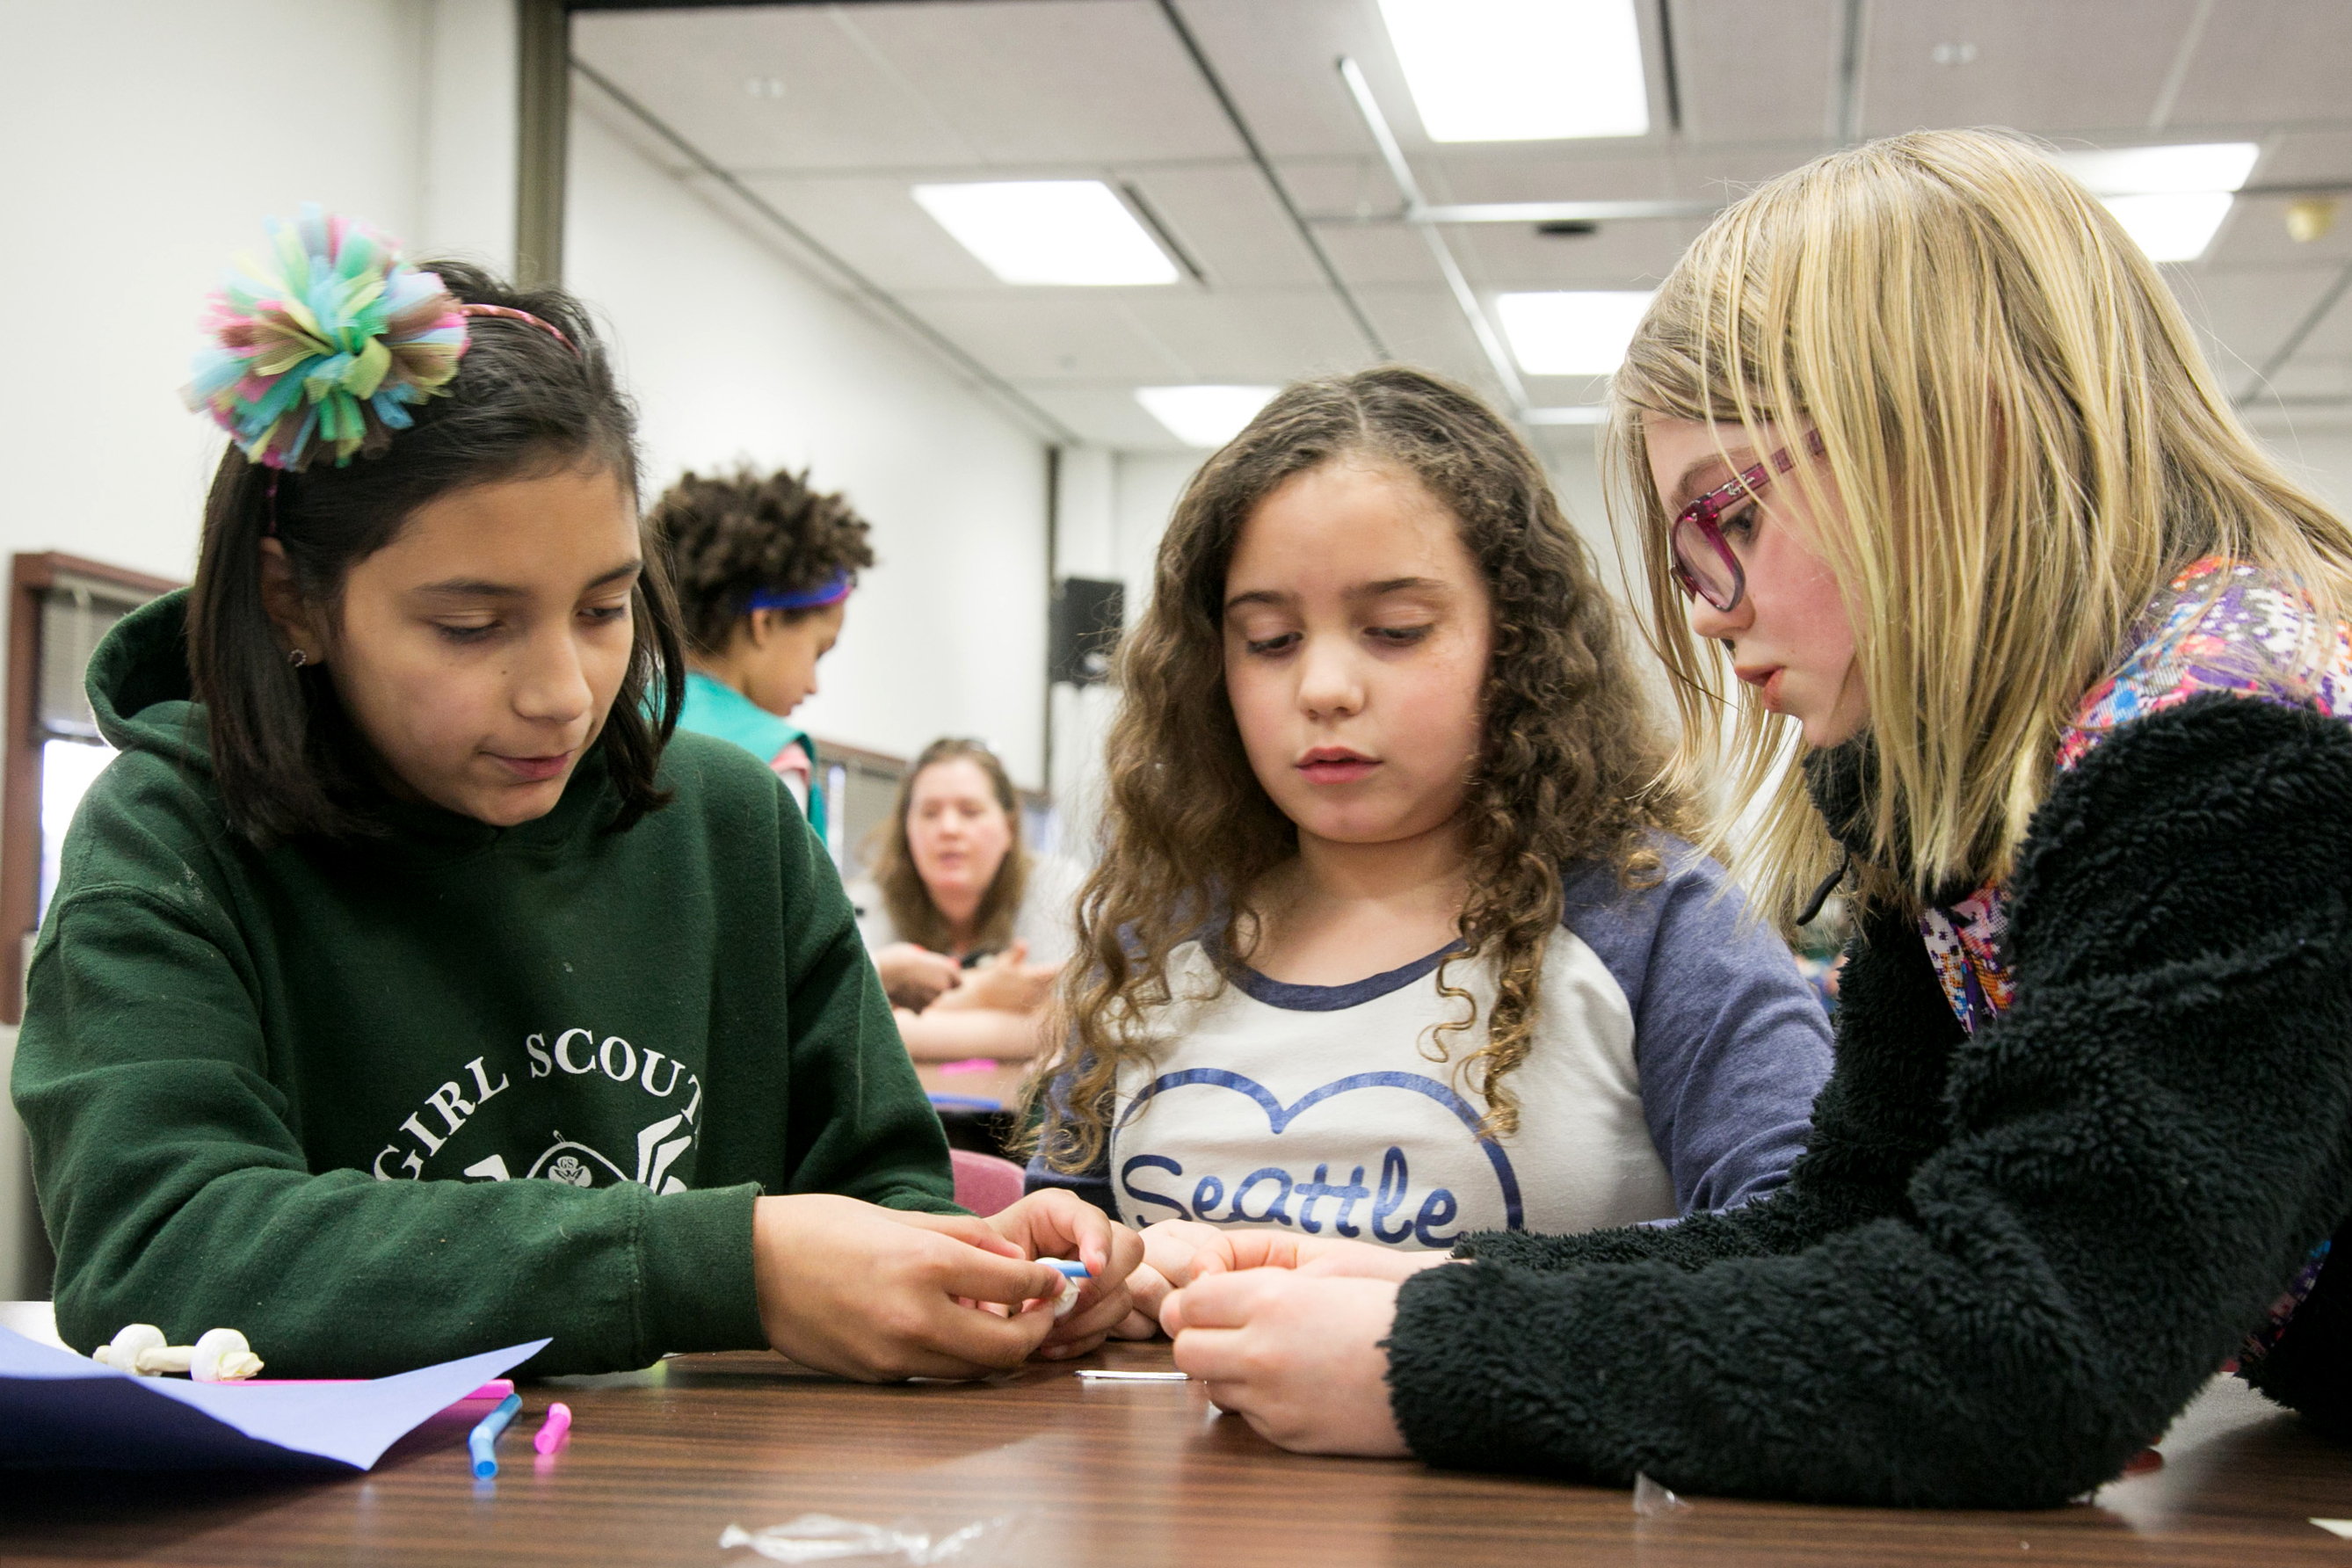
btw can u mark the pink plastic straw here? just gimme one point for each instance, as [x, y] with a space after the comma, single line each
[969, 1064]
[558, 1428]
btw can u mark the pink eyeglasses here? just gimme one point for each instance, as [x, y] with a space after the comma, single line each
[1704, 564]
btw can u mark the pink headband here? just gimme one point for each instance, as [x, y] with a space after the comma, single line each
[510, 313]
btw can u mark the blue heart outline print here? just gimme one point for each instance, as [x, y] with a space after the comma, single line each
[1279, 1117]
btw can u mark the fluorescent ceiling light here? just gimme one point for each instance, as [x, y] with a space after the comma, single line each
[1204, 416]
[1521, 71]
[2170, 200]
[2171, 228]
[1049, 231]
[1582, 333]
[2164, 171]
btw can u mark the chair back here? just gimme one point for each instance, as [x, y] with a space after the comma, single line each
[984, 1183]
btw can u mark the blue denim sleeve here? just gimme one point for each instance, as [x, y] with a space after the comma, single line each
[1731, 1043]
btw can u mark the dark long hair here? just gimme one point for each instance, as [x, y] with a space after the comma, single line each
[287, 758]
[908, 902]
[1568, 767]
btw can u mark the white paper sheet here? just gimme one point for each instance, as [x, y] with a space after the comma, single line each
[57, 1409]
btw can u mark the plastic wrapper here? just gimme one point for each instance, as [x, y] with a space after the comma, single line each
[1651, 1500]
[822, 1538]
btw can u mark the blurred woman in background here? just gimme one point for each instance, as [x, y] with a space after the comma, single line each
[969, 929]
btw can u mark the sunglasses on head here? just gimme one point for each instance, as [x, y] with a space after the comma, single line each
[1704, 563]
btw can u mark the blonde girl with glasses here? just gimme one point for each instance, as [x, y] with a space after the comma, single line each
[1940, 504]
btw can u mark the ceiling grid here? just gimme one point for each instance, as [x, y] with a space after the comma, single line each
[1228, 122]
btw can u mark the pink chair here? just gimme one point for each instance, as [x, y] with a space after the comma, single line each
[984, 1183]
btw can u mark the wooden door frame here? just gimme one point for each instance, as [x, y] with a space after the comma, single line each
[31, 576]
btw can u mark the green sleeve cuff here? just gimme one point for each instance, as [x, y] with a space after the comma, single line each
[697, 1291]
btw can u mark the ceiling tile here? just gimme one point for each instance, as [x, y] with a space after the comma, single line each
[1228, 221]
[839, 108]
[2303, 155]
[1424, 327]
[2312, 375]
[1359, 185]
[2245, 316]
[1037, 335]
[832, 113]
[2255, 235]
[1624, 255]
[1252, 336]
[2268, 60]
[2037, 65]
[876, 228]
[1280, 62]
[1550, 176]
[1755, 70]
[1043, 80]
[1374, 255]
[1725, 172]
[1102, 416]
[2331, 338]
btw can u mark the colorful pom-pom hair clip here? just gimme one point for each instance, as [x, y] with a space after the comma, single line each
[327, 341]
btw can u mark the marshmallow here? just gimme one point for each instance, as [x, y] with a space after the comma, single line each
[1071, 1273]
[127, 1349]
[222, 1355]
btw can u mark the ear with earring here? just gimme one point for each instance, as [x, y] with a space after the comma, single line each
[297, 658]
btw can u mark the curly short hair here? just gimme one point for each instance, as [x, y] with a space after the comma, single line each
[726, 539]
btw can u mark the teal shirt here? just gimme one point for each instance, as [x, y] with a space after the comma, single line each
[713, 707]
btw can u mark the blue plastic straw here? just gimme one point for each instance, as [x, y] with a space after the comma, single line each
[1069, 1271]
[482, 1442]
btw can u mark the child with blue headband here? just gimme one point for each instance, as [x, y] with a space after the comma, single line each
[763, 567]
[409, 991]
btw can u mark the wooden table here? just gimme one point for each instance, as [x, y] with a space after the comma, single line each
[1092, 1474]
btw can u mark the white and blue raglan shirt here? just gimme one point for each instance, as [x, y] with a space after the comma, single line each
[1676, 1054]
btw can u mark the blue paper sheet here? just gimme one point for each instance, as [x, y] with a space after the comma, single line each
[58, 1410]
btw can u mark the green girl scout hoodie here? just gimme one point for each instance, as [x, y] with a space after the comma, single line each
[383, 1102]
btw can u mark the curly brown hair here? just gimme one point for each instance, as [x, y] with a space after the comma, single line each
[725, 540]
[1570, 767]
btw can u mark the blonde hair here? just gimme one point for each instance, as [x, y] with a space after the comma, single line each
[2027, 445]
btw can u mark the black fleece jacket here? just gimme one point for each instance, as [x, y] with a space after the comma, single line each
[2005, 1263]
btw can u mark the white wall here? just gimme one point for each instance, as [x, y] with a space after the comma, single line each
[735, 352]
[150, 137]
[146, 160]
[1113, 507]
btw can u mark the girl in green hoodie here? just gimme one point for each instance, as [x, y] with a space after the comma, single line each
[409, 991]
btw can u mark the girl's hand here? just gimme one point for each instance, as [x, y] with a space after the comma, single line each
[869, 1293]
[913, 977]
[1193, 1251]
[1059, 1224]
[1148, 1290]
[1297, 1356]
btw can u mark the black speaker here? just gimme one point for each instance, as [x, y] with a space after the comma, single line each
[1082, 629]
